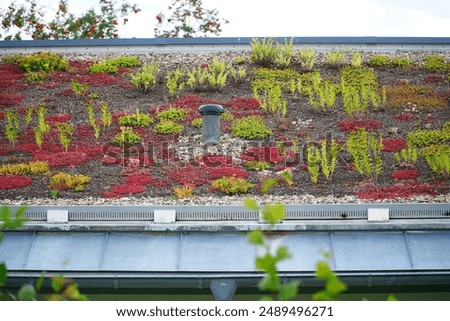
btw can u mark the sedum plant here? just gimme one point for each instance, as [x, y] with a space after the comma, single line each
[42, 61]
[175, 81]
[31, 168]
[379, 61]
[272, 102]
[136, 119]
[306, 58]
[184, 191]
[365, 150]
[267, 184]
[407, 155]
[36, 76]
[127, 136]
[267, 52]
[356, 58]
[424, 138]
[359, 87]
[29, 111]
[322, 159]
[65, 132]
[197, 122]
[196, 78]
[401, 62]
[435, 63]
[438, 159]
[43, 126]
[111, 66]
[265, 79]
[63, 181]
[335, 58]
[38, 137]
[125, 61]
[12, 126]
[106, 115]
[208, 77]
[168, 127]
[174, 114]
[250, 127]
[92, 121]
[287, 177]
[322, 94]
[423, 97]
[285, 54]
[146, 77]
[257, 165]
[263, 52]
[217, 74]
[79, 89]
[232, 185]
[238, 74]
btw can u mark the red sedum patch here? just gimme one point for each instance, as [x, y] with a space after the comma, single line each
[14, 181]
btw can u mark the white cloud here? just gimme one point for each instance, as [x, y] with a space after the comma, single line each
[397, 20]
[287, 18]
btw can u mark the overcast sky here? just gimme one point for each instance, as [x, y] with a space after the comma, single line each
[301, 18]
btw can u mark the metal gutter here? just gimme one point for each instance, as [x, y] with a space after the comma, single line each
[227, 227]
[151, 281]
[221, 44]
[301, 217]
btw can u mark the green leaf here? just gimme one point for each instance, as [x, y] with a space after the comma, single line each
[266, 263]
[3, 273]
[271, 282]
[5, 216]
[282, 253]
[391, 297]
[40, 281]
[335, 286]
[289, 291]
[6, 296]
[267, 184]
[273, 213]
[251, 204]
[322, 270]
[322, 296]
[20, 212]
[256, 237]
[57, 284]
[27, 293]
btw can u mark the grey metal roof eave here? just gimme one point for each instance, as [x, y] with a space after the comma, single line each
[221, 40]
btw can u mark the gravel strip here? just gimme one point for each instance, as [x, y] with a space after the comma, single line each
[174, 60]
[224, 200]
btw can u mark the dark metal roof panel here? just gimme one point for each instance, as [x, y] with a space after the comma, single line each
[371, 251]
[216, 252]
[306, 249]
[141, 252]
[202, 252]
[65, 252]
[430, 250]
[15, 248]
